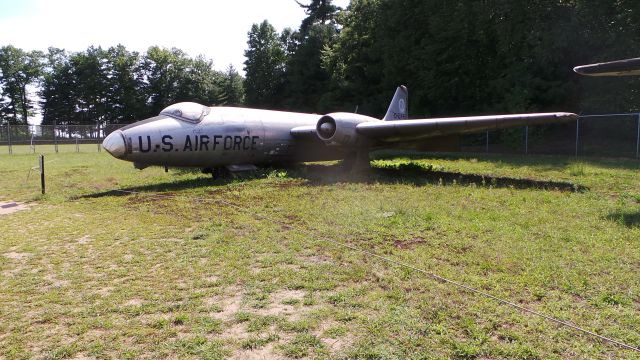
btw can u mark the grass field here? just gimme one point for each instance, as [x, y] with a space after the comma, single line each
[242, 268]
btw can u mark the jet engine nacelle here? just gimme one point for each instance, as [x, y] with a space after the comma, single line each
[339, 129]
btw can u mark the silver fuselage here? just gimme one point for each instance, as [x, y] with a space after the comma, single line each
[225, 136]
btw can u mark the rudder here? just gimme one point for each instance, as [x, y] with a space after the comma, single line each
[399, 107]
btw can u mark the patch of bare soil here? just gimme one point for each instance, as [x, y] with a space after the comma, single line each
[265, 352]
[133, 302]
[409, 244]
[230, 305]
[338, 345]
[335, 345]
[317, 260]
[235, 332]
[84, 240]
[10, 207]
[19, 258]
[17, 255]
[54, 281]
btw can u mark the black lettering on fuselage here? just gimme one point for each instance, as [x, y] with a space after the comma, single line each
[167, 144]
[187, 144]
[237, 141]
[216, 141]
[142, 149]
[204, 142]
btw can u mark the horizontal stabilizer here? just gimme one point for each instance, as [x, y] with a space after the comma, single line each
[625, 67]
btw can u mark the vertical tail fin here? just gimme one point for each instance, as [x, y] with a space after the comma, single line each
[399, 108]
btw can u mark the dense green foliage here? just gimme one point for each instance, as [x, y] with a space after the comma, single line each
[460, 57]
[456, 56]
[108, 86]
[18, 69]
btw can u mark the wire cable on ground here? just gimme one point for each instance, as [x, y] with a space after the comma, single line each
[416, 269]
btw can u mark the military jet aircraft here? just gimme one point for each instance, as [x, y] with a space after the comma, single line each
[612, 68]
[217, 138]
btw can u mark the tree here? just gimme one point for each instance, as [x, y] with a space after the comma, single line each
[162, 71]
[126, 101]
[92, 86]
[200, 83]
[307, 80]
[264, 67]
[18, 70]
[57, 89]
[232, 87]
[319, 12]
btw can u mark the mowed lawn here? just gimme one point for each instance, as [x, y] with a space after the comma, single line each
[249, 268]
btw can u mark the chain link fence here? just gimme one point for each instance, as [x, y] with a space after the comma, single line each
[611, 135]
[25, 139]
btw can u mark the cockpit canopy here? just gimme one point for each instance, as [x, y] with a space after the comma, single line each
[186, 111]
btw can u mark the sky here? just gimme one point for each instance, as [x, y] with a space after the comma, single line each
[213, 28]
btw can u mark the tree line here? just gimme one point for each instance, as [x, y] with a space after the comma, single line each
[108, 86]
[456, 56]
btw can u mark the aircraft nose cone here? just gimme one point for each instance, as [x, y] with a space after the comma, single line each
[115, 145]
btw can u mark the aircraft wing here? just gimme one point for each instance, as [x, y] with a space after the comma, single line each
[408, 130]
[612, 68]
[348, 129]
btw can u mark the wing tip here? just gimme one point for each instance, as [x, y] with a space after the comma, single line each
[567, 116]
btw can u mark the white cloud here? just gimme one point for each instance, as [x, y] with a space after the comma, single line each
[216, 29]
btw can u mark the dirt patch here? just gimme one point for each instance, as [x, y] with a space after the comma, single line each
[334, 344]
[55, 282]
[265, 352]
[338, 345]
[283, 295]
[235, 332]
[317, 260]
[276, 310]
[133, 302]
[85, 239]
[139, 198]
[212, 278]
[10, 207]
[409, 244]
[17, 255]
[229, 305]
[104, 291]
[82, 357]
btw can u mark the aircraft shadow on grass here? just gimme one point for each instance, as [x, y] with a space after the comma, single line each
[325, 175]
[541, 162]
[628, 218]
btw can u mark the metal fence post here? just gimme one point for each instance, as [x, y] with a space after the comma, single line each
[55, 138]
[638, 139]
[42, 173]
[526, 140]
[77, 146]
[9, 137]
[486, 149]
[577, 134]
